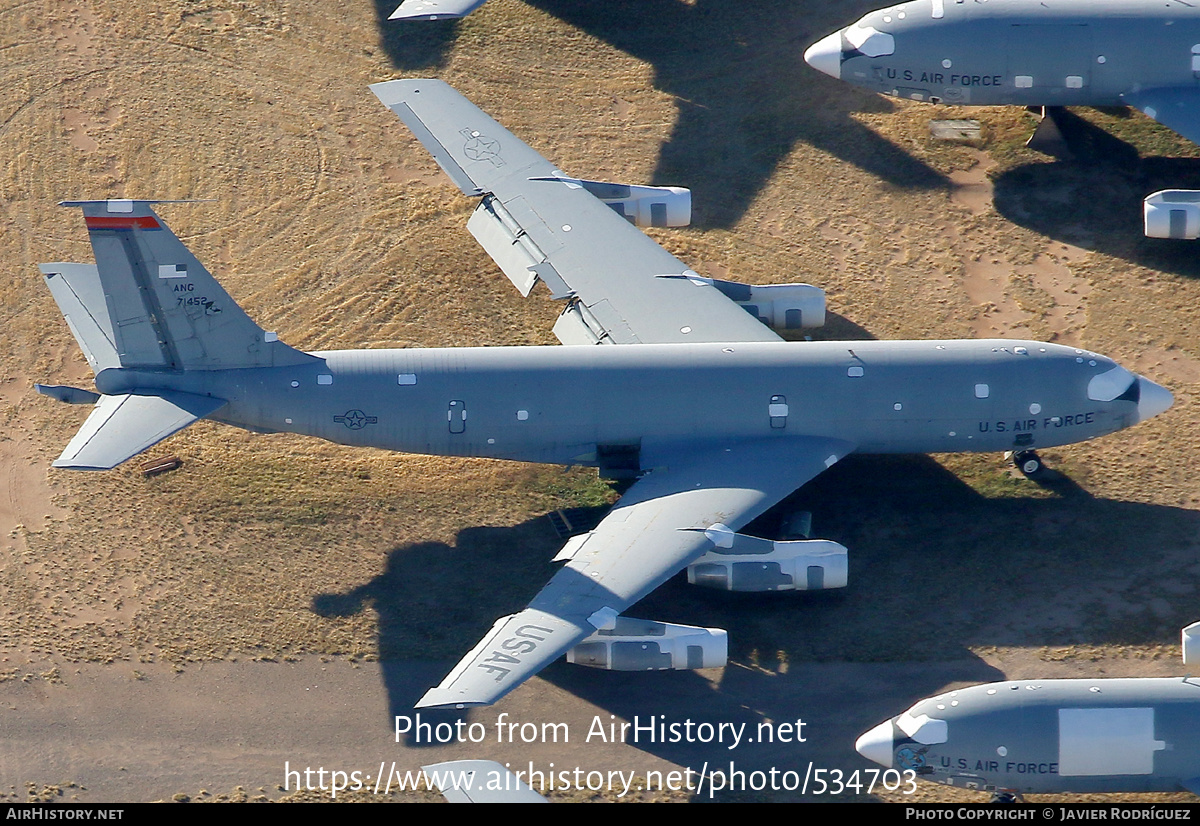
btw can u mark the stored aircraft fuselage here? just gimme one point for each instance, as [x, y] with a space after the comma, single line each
[1021, 52]
[563, 404]
[1050, 736]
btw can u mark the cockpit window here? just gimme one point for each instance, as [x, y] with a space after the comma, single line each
[869, 41]
[1113, 384]
[924, 729]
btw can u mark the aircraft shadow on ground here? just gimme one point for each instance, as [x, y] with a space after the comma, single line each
[435, 601]
[935, 567]
[839, 328]
[1095, 198]
[745, 95]
[411, 45]
[836, 705]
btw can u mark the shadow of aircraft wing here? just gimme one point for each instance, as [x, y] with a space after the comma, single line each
[744, 93]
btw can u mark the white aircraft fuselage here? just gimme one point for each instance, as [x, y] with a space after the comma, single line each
[1020, 52]
[1050, 737]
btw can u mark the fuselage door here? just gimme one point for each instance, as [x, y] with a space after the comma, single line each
[777, 412]
[457, 416]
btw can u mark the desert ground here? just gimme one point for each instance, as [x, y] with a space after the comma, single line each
[279, 600]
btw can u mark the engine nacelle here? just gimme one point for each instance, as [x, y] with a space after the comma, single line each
[1172, 213]
[787, 306]
[748, 563]
[1191, 644]
[645, 645]
[779, 306]
[645, 206]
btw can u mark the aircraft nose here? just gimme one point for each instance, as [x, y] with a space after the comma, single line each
[826, 55]
[876, 744]
[1152, 399]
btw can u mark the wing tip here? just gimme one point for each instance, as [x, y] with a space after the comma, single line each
[401, 14]
[69, 465]
[444, 696]
[392, 92]
[436, 698]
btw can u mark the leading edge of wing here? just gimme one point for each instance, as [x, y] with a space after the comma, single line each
[536, 222]
[655, 530]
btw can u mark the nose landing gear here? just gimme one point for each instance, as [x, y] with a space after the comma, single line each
[1027, 461]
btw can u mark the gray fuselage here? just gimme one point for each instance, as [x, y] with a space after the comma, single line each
[1023, 52]
[1050, 736]
[560, 404]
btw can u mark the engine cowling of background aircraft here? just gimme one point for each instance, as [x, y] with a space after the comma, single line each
[1191, 644]
[645, 645]
[748, 563]
[645, 206]
[1172, 213]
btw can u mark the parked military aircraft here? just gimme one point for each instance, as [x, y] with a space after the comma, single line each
[712, 414]
[1052, 736]
[1045, 53]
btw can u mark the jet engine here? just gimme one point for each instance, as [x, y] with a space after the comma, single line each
[747, 563]
[1173, 213]
[645, 206]
[779, 306]
[645, 645]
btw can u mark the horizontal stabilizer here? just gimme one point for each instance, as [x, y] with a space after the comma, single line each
[80, 296]
[67, 394]
[121, 427]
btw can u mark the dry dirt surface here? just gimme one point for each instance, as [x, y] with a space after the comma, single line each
[278, 600]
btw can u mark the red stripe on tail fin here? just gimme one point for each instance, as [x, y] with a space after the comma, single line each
[134, 222]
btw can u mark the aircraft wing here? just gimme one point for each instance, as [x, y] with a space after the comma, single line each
[654, 531]
[537, 223]
[1176, 108]
[434, 9]
[479, 781]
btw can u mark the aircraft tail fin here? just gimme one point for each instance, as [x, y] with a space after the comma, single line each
[149, 303]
